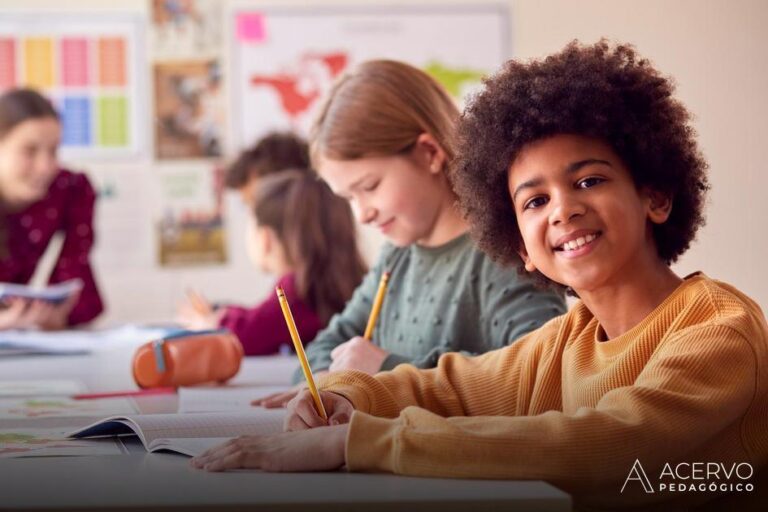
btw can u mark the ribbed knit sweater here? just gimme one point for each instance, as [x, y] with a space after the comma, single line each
[688, 383]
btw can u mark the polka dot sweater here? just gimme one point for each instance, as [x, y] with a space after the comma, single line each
[67, 207]
[439, 299]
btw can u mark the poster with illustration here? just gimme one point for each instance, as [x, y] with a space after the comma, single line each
[190, 220]
[189, 106]
[185, 28]
[279, 78]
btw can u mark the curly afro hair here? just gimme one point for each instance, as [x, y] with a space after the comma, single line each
[602, 91]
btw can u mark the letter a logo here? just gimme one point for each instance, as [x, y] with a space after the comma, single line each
[638, 473]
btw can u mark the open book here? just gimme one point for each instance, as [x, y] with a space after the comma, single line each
[188, 434]
[51, 293]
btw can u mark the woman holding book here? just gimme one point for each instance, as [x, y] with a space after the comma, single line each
[38, 199]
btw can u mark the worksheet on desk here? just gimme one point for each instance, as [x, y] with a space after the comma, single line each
[52, 442]
[41, 387]
[63, 407]
[223, 398]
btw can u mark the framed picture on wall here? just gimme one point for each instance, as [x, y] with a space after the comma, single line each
[189, 109]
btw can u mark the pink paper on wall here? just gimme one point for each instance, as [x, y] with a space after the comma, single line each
[7, 62]
[250, 28]
[74, 61]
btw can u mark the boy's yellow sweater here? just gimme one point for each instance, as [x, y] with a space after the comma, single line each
[687, 384]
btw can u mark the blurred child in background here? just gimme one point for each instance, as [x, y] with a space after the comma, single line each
[275, 152]
[305, 235]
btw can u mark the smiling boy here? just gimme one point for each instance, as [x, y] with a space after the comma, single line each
[583, 169]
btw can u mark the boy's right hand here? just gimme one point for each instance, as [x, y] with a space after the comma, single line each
[303, 415]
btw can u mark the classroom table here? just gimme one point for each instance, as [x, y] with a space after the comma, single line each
[165, 481]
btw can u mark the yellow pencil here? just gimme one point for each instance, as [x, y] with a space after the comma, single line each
[377, 302]
[300, 351]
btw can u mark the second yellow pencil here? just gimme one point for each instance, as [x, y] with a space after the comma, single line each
[377, 302]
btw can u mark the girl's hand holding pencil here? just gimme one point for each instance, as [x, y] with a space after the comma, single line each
[303, 415]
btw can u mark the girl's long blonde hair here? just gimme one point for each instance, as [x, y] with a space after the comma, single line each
[380, 108]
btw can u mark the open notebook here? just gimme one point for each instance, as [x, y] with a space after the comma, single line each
[51, 293]
[188, 434]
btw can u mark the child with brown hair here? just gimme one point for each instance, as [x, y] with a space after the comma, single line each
[273, 153]
[383, 140]
[305, 235]
[581, 167]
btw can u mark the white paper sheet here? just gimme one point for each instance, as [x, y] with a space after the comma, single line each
[223, 398]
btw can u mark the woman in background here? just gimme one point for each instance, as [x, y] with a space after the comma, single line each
[37, 200]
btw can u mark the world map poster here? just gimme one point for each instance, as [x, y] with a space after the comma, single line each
[286, 59]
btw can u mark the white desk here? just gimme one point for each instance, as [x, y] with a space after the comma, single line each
[164, 481]
[158, 481]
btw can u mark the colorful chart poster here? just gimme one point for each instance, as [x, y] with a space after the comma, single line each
[189, 109]
[88, 66]
[190, 225]
[286, 58]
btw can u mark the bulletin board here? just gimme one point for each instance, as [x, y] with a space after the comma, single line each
[89, 66]
[284, 59]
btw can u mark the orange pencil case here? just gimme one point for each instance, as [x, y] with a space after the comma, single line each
[188, 358]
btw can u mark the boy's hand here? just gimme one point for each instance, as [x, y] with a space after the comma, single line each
[302, 414]
[320, 449]
[358, 354]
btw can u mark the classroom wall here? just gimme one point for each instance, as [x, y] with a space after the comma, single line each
[715, 49]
